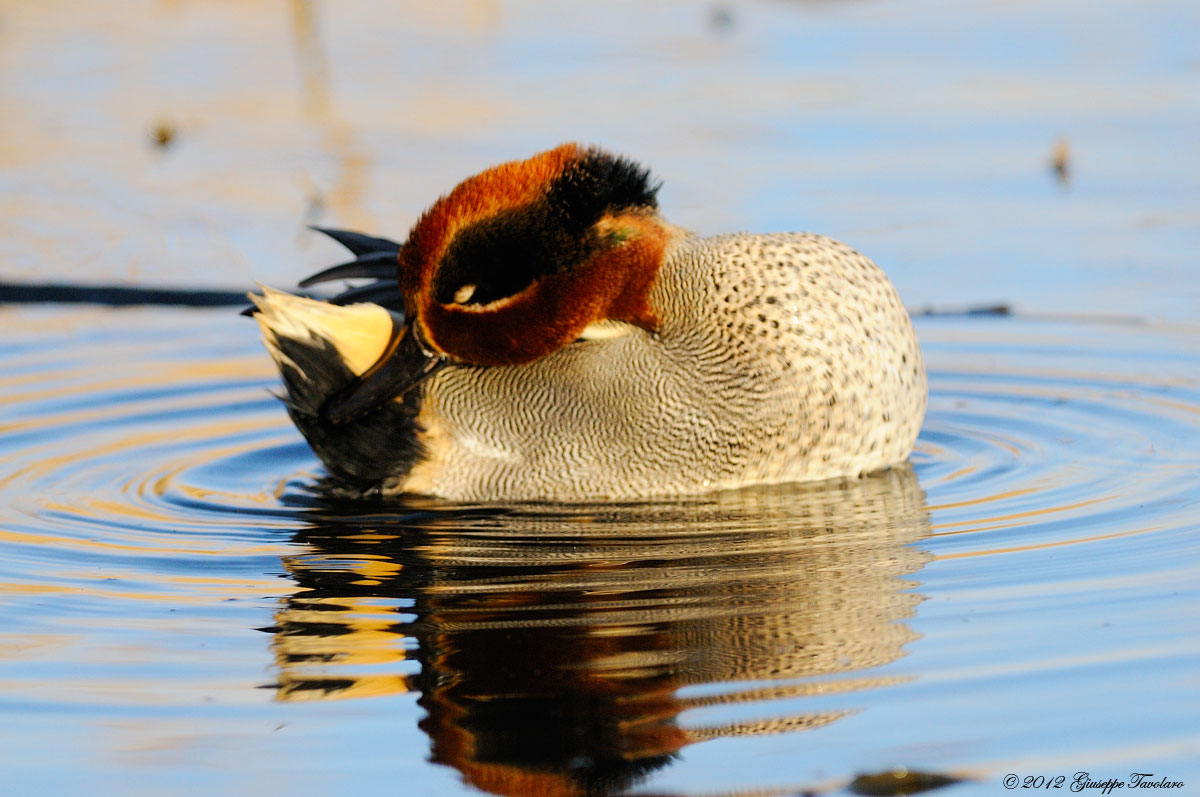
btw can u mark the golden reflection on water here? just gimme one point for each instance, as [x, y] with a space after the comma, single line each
[554, 650]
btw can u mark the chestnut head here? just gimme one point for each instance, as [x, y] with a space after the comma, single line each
[516, 262]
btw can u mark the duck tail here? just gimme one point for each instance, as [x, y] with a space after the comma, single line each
[319, 349]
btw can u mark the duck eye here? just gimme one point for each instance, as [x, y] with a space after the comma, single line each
[464, 294]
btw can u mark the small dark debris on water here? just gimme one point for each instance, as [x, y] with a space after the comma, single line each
[990, 309]
[1060, 161]
[980, 309]
[900, 781]
[721, 19]
[163, 134]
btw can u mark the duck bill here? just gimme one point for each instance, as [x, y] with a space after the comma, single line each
[404, 364]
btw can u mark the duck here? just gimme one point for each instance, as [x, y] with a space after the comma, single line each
[545, 334]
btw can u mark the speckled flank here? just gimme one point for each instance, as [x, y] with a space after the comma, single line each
[778, 358]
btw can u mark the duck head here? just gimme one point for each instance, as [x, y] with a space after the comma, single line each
[515, 263]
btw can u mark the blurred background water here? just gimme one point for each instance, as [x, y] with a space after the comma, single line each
[182, 613]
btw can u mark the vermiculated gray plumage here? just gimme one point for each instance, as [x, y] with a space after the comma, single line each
[783, 357]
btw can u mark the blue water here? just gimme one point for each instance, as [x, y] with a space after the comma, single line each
[185, 612]
[181, 611]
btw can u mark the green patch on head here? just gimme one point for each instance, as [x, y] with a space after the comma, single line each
[619, 235]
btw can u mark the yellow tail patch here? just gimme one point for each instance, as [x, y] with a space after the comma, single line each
[358, 332]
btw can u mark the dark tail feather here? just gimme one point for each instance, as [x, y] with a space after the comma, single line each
[381, 293]
[377, 265]
[375, 259]
[359, 244]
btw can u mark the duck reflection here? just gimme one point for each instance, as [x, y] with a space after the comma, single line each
[554, 648]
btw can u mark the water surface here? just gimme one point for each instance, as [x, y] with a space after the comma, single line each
[184, 611]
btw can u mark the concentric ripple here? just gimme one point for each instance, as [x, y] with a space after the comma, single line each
[1049, 433]
[141, 462]
[162, 549]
